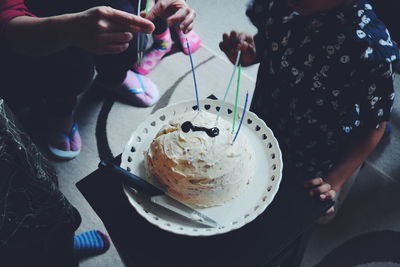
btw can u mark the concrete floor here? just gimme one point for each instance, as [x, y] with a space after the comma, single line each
[215, 17]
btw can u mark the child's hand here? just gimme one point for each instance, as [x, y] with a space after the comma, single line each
[233, 42]
[318, 187]
[174, 12]
[104, 30]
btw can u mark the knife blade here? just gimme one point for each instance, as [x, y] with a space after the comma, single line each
[157, 195]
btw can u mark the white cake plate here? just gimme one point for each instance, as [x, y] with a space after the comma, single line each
[235, 213]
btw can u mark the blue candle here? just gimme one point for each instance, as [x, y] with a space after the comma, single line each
[194, 75]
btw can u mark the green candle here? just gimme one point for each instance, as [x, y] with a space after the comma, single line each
[147, 7]
[236, 98]
[141, 35]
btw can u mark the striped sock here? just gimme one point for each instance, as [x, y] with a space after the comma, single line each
[90, 243]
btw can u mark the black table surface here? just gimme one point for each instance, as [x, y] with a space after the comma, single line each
[258, 243]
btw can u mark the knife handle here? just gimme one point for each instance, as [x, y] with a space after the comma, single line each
[130, 179]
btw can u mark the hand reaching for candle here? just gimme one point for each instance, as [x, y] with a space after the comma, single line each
[233, 42]
[104, 30]
[101, 30]
[174, 12]
[323, 190]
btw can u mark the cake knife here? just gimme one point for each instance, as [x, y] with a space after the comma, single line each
[157, 195]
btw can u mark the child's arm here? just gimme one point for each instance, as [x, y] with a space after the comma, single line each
[234, 42]
[101, 30]
[375, 100]
[357, 151]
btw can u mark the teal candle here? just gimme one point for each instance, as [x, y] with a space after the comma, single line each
[242, 118]
[229, 84]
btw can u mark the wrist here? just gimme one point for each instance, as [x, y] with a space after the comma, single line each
[67, 25]
[335, 180]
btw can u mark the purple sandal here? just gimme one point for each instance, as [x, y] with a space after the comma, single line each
[65, 147]
[136, 90]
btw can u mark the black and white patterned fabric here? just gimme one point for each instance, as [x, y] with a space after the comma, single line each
[322, 79]
[33, 212]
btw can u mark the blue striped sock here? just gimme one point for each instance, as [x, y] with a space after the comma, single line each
[90, 243]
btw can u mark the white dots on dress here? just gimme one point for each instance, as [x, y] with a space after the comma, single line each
[330, 49]
[374, 100]
[387, 42]
[346, 129]
[368, 52]
[317, 84]
[389, 72]
[309, 60]
[324, 69]
[357, 106]
[344, 59]
[365, 19]
[361, 34]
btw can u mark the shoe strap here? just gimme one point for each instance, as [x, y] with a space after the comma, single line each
[74, 129]
[71, 134]
[65, 137]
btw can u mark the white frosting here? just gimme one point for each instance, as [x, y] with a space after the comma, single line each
[198, 169]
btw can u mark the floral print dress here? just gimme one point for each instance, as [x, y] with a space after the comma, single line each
[322, 79]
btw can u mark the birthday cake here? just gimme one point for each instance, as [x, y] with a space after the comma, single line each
[194, 158]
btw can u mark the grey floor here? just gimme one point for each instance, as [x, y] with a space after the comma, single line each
[221, 16]
[373, 200]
